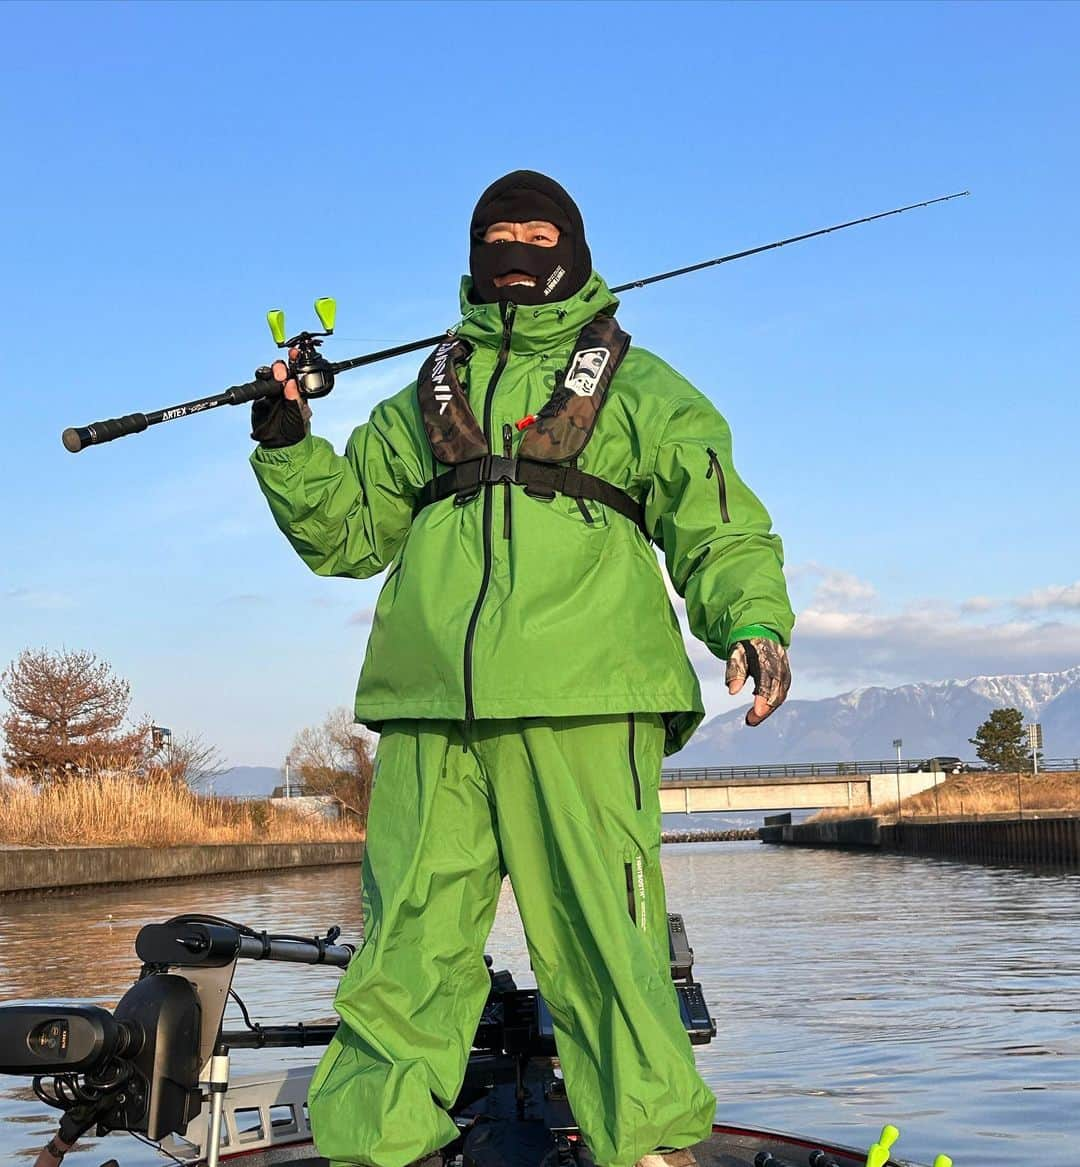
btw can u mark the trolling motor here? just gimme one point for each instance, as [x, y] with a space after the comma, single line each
[139, 1068]
[315, 375]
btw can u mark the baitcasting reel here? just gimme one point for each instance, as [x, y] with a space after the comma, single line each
[314, 374]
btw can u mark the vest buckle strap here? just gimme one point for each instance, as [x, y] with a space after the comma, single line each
[541, 480]
[495, 469]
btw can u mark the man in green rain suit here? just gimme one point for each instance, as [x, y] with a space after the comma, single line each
[527, 675]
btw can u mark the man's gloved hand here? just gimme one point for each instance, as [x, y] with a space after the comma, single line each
[766, 662]
[281, 420]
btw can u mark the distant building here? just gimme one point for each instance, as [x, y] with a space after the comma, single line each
[324, 805]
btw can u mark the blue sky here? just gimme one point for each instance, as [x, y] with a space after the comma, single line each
[903, 395]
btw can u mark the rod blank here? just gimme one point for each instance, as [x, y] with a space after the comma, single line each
[77, 438]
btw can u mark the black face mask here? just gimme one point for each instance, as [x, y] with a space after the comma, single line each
[559, 272]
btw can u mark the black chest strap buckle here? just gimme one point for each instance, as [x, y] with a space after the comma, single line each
[541, 480]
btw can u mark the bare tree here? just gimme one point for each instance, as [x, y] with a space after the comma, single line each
[189, 760]
[335, 759]
[67, 708]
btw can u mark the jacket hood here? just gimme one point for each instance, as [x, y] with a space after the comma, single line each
[536, 329]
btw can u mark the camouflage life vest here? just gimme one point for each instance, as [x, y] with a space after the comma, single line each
[553, 439]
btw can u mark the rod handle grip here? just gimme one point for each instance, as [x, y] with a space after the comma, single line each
[252, 391]
[76, 438]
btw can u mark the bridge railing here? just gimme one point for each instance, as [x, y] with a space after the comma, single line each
[827, 769]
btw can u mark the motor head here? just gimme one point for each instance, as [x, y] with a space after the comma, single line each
[61, 1039]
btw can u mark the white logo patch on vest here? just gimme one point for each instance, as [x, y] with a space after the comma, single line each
[585, 372]
[441, 388]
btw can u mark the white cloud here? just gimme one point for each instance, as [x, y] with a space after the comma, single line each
[845, 636]
[926, 642]
[832, 586]
[1062, 596]
[843, 588]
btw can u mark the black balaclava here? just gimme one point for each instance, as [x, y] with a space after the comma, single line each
[559, 271]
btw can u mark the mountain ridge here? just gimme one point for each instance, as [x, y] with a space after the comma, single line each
[931, 717]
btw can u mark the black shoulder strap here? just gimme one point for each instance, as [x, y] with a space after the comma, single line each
[452, 429]
[561, 428]
[566, 422]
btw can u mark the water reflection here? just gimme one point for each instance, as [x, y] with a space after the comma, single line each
[849, 989]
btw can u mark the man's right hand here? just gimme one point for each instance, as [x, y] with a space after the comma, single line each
[281, 420]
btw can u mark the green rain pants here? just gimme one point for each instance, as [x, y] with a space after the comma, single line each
[569, 807]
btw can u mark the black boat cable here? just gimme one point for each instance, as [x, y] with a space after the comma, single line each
[255, 1028]
[332, 933]
[202, 918]
[159, 1147]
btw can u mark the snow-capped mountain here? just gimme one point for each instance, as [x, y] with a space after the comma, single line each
[933, 718]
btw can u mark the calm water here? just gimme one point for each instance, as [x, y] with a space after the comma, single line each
[850, 990]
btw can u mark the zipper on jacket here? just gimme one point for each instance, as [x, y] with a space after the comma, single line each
[507, 310]
[721, 484]
[633, 761]
[631, 899]
[508, 452]
[586, 514]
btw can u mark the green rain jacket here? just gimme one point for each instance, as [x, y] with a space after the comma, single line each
[512, 606]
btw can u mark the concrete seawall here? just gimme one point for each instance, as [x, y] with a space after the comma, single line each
[860, 832]
[65, 869]
[1052, 841]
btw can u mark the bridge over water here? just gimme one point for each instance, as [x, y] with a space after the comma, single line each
[808, 786]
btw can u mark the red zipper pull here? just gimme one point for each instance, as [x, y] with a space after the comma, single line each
[526, 422]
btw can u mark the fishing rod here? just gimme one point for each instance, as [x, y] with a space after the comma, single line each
[315, 375]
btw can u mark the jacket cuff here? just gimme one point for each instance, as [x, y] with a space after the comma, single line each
[298, 452]
[749, 631]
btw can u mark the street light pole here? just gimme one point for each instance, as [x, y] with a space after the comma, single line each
[898, 744]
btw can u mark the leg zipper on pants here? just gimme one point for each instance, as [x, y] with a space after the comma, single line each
[633, 761]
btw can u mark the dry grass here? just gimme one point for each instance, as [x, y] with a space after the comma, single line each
[982, 795]
[127, 811]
